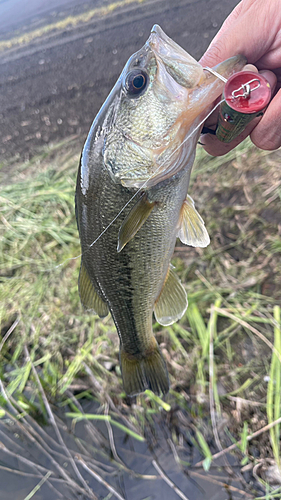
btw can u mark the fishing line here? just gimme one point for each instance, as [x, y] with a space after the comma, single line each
[132, 197]
[141, 188]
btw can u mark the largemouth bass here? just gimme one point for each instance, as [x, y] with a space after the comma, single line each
[132, 202]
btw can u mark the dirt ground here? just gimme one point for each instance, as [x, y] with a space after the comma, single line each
[53, 86]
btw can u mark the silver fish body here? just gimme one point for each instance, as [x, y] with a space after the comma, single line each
[132, 203]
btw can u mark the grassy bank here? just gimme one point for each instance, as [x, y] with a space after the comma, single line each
[25, 36]
[223, 356]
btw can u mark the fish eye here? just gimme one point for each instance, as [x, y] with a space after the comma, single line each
[136, 82]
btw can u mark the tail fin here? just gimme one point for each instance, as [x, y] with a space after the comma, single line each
[148, 371]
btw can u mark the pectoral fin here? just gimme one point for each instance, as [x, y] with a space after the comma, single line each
[88, 295]
[134, 221]
[172, 301]
[192, 229]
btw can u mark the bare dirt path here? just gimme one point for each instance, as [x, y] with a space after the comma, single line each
[53, 86]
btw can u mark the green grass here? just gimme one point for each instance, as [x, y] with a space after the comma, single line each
[23, 38]
[274, 388]
[223, 356]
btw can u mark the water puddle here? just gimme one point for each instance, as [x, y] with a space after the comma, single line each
[95, 459]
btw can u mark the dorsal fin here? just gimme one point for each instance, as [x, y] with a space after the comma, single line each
[88, 295]
[172, 301]
[192, 230]
[134, 221]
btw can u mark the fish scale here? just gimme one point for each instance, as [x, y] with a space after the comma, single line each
[136, 163]
[134, 270]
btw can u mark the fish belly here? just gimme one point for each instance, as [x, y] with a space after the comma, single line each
[131, 281]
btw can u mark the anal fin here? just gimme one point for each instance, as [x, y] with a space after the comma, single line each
[192, 230]
[172, 301]
[144, 372]
[134, 221]
[88, 295]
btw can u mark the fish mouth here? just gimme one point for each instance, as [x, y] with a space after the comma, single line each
[181, 83]
[161, 43]
[182, 67]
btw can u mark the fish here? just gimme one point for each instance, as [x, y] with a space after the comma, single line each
[132, 202]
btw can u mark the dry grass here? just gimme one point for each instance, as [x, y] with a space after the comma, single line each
[51, 29]
[223, 356]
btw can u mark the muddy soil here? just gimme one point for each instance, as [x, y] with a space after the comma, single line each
[54, 86]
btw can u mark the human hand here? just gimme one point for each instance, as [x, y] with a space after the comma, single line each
[254, 30]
